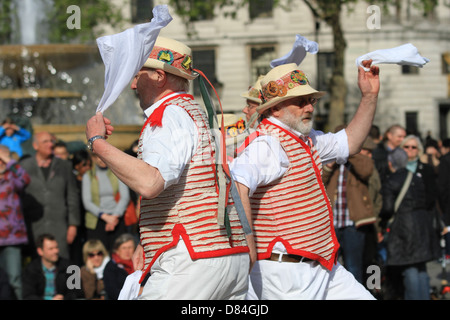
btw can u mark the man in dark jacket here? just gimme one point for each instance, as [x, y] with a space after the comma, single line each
[45, 278]
[387, 154]
[50, 200]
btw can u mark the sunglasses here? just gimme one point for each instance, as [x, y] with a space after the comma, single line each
[409, 147]
[93, 254]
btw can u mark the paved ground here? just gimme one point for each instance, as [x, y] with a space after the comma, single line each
[439, 273]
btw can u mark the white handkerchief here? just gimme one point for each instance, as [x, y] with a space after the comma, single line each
[125, 53]
[130, 289]
[298, 52]
[405, 54]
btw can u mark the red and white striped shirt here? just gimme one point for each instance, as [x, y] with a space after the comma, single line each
[293, 209]
[188, 208]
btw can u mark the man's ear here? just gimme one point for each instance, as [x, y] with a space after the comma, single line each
[161, 77]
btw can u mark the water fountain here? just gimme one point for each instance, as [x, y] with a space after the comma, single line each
[56, 87]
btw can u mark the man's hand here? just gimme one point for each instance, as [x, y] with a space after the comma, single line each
[98, 125]
[358, 128]
[71, 234]
[138, 258]
[369, 81]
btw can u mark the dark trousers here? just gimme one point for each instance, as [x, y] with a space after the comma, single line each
[352, 244]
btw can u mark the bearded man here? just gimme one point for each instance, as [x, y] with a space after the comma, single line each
[279, 174]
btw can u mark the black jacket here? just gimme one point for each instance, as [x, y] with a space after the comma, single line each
[113, 278]
[412, 237]
[33, 281]
[444, 186]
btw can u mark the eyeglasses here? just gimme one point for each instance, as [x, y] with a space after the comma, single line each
[305, 101]
[93, 254]
[409, 147]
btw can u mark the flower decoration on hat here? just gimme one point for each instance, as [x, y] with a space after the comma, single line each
[273, 89]
[280, 87]
[171, 57]
[187, 63]
[299, 77]
[235, 129]
[166, 56]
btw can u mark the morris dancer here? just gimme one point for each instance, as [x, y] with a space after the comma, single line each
[279, 175]
[182, 244]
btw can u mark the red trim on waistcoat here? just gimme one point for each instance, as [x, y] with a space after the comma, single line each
[155, 118]
[178, 231]
[327, 264]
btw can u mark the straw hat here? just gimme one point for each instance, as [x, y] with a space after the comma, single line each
[282, 83]
[234, 127]
[173, 57]
[253, 92]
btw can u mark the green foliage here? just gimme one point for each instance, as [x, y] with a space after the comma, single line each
[93, 13]
[6, 13]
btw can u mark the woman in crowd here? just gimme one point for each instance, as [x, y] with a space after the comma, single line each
[412, 241]
[120, 266]
[95, 258]
[105, 199]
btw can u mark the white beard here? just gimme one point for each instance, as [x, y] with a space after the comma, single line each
[296, 124]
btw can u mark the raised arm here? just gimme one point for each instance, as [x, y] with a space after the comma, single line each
[358, 129]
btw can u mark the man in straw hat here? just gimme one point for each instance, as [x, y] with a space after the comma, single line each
[181, 237]
[252, 100]
[279, 175]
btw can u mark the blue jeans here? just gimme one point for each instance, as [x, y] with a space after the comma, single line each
[352, 244]
[11, 263]
[416, 282]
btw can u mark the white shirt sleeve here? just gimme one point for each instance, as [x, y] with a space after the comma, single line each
[331, 146]
[170, 147]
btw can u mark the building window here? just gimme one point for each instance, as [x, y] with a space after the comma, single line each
[446, 63]
[260, 8]
[260, 56]
[411, 123]
[141, 11]
[325, 65]
[410, 69]
[205, 61]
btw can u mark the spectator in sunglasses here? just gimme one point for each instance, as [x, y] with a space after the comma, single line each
[95, 257]
[412, 240]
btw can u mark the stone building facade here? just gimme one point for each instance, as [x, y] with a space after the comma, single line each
[234, 51]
